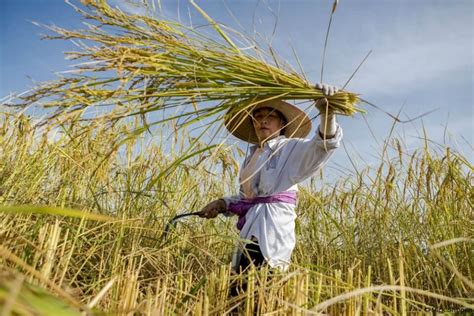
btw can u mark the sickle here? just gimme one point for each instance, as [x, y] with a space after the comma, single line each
[172, 223]
[174, 220]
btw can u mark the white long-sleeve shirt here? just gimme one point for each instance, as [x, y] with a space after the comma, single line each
[283, 163]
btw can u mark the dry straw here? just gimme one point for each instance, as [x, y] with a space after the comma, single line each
[138, 64]
[376, 260]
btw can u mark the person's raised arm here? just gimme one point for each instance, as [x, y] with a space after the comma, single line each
[309, 155]
[327, 127]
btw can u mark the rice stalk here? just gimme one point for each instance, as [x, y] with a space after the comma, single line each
[350, 237]
[136, 65]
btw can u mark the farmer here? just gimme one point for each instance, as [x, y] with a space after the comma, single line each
[279, 160]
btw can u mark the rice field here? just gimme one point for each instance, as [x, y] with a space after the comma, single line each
[393, 240]
[85, 199]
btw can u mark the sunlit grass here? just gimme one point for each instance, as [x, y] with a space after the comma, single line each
[397, 239]
[85, 196]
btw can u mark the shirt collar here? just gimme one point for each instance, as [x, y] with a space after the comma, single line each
[272, 143]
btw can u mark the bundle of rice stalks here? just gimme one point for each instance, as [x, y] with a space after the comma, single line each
[138, 64]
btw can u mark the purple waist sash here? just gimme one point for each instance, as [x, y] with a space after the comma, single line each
[241, 207]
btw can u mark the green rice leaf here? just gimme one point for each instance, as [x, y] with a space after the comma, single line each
[52, 210]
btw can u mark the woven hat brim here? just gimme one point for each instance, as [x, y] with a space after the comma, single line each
[240, 124]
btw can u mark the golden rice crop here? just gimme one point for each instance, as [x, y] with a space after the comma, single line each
[136, 64]
[392, 240]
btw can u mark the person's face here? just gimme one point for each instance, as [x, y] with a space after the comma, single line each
[267, 123]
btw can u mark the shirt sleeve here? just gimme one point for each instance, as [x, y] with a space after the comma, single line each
[229, 199]
[307, 156]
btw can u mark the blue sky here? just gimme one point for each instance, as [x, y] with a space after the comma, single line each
[422, 57]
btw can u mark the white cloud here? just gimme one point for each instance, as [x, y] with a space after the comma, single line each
[406, 67]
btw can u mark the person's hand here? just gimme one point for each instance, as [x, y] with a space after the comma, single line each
[322, 106]
[212, 209]
[322, 103]
[328, 90]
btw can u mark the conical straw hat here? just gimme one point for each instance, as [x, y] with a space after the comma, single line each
[239, 123]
